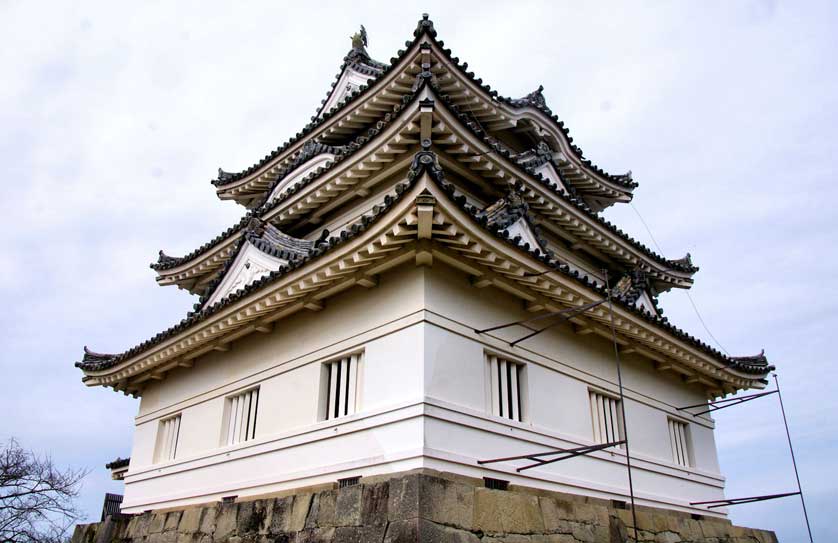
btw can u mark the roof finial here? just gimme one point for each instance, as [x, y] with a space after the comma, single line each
[359, 39]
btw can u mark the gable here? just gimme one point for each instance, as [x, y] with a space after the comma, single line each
[250, 265]
[319, 161]
[522, 229]
[349, 82]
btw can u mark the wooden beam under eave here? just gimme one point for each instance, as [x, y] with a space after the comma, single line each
[263, 328]
[583, 330]
[314, 305]
[534, 307]
[367, 281]
[480, 282]
[186, 363]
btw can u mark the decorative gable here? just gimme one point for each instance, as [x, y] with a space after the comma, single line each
[249, 265]
[264, 249]
[510, 214]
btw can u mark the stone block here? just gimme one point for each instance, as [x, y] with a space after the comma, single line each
[322, 513]
[348, 506]
[225, 521]
[208, 519]
[617, 531]
[402, 531]
[190, 520]
[299, 512]
[584, 533]
[280, 517]
[403, 498]
[250, 517]
[156, 523]
[374, 500]
[137, 527]
[554, 514]
[172, 521]
[359, 534]
[488, 511]
[500, 511]
[562, 538]
[315, 535]
[668, 537]
[446, 502]
[432, 532]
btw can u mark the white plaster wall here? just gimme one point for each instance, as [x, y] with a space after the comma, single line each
[562, 367]
[422, 402]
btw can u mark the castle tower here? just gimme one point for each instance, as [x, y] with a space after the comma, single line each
[340, 325]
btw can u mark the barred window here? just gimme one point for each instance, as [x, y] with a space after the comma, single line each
[679, 441]
[168, 433]
[506, 387]
[340, 381]
[606, 418]
[242, 410]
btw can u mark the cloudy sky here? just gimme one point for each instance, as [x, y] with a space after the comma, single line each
[115, 115]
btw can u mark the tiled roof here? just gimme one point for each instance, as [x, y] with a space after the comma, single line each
[98, 362]
[527, 161]
[118, 463]
[425, 26]
[751, 365]
[424, 161]
[343, 153]
[684, 264]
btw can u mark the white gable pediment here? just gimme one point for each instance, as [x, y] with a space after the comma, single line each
[551, 175]
[300, 172]
[644, 301]
[522, 228]
[349, 81]
[250, 265]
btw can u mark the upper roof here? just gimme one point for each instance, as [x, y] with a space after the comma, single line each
[207, 259]
[385, 84]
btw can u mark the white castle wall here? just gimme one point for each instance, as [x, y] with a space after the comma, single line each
[422, 403]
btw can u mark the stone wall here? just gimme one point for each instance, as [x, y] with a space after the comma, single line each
[417, 506]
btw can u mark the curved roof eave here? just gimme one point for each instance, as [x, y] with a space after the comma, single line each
[94, 364]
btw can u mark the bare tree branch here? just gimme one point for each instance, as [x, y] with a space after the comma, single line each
[36, 499]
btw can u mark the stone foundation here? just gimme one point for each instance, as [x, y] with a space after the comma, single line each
[417, 506]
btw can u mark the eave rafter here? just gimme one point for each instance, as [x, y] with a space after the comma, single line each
[422, 224]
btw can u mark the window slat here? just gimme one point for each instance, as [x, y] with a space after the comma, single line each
[353, 385]
[342, 387]
[504, 389]
[679, 442]
[505, 382]
[605, 418]
[494, 378]
[241, 422]
[513, 388]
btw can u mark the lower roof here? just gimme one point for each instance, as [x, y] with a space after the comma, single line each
[636, 325]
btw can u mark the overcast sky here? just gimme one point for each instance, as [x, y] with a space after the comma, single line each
[115, 115]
